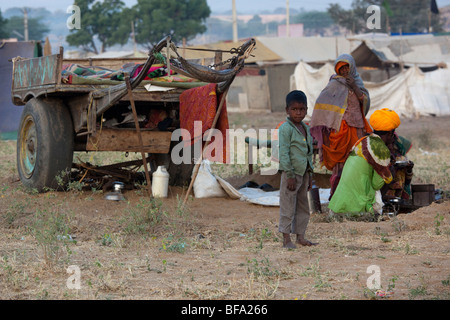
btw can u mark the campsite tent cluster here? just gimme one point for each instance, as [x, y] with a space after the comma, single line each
[414, 74]
[409, 74]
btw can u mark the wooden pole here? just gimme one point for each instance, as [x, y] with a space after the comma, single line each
[218, 59]
[235, 28]
[138, 129]
[25, 24]
[429, 21]
[199, 161]
[288, 33]
[168, 57]
[134, 38]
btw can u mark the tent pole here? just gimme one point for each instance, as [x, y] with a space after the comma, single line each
[138, 129]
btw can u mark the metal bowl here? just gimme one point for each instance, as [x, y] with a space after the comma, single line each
[402, 163]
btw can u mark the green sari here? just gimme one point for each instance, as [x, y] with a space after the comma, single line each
[365, 172]
[356, 190]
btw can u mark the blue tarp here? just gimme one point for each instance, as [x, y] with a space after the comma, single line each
[10, 113]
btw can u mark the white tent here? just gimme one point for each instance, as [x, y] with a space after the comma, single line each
[410, 93]
[421, 50]
[309, 49]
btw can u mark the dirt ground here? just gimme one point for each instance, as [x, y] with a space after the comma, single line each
[219, 248]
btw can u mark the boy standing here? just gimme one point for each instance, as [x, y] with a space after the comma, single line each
[296, 150]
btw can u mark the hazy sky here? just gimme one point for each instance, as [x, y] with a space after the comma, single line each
[217, 6]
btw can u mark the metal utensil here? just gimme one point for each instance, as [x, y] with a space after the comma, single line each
[116, 195]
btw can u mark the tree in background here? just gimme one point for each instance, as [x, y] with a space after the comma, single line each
[353, 19]
[102, 20]
[109, 25]
[314, 22]
[410, 16]
[84, 37]
[3, 21]
[406, 16]
[254, 27]
[14, 28]
[218, 30]
[182, 19]
[56, 21]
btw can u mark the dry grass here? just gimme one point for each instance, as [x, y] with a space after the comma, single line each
[214, 248]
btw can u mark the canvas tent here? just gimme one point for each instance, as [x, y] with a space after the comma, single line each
[308, 49]
[263, 86]
[379, 56]
[9, 113]
[261, 52]
[410, 93]
[265, 81]
[424, 50]
[245, 93]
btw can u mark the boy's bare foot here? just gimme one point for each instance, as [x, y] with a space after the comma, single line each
[287, 243]
[304, 242]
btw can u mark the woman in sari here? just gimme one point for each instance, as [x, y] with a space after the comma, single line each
[338, 120]
[367, 168]
[402, 171]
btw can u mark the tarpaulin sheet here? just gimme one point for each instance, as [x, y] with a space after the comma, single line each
[10, 113]
[410, 93]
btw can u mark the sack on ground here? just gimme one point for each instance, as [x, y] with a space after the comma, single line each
[205, 184]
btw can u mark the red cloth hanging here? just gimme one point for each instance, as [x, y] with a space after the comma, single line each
[200, 104]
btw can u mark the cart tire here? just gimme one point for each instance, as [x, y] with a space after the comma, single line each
[45, 144]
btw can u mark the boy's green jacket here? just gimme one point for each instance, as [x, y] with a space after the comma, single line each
[295, 152]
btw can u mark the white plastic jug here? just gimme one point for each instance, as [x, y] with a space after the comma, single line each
[160, 184]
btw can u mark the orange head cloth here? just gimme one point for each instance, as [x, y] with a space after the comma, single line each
[384, 120]
[339, 65]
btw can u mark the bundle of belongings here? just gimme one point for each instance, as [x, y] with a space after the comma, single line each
[78, 74]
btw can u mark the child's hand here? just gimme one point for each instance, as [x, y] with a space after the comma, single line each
[291, 184]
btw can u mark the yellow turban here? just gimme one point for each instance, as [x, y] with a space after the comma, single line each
[384, 120]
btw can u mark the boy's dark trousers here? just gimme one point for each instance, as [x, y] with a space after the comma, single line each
[294, 206]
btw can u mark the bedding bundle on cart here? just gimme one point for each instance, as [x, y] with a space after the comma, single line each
[78, 74]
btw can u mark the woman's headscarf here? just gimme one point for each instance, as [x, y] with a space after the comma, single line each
[332, 101]
[376, 153]
[347, 58]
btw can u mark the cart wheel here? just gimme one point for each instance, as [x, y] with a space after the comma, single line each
[44, 144]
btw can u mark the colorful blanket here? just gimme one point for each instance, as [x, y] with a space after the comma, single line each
[200, 104]
[71, 73]
[372, 149]
[74, 70]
